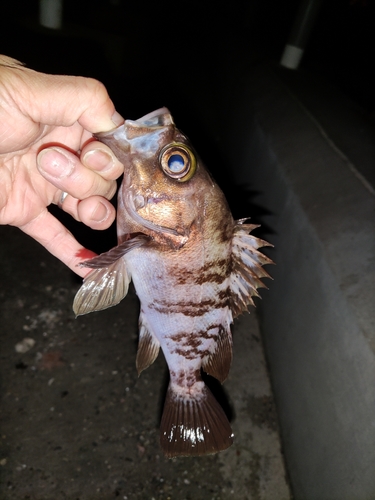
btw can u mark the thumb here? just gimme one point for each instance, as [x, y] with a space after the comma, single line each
[62, 100]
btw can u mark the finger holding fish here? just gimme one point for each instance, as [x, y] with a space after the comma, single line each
[85, 184]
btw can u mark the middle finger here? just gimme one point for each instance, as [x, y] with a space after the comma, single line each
[65, 171]
[99, 158]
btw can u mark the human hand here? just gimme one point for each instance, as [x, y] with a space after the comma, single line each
[46, 149]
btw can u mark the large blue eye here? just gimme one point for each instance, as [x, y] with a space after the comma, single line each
[178, 161]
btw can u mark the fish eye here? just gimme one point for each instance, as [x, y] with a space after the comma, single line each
[178, 161]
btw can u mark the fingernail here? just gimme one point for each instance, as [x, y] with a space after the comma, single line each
[117, 119]
[97, 159]
[54, 163]
[100, 213]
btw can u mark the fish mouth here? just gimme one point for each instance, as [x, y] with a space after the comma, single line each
[135, 202]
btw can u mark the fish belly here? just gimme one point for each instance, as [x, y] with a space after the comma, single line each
[189, 317]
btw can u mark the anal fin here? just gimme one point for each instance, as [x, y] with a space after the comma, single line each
[193, 425]
[217, 364]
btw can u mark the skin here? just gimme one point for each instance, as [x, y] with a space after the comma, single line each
[46, 148]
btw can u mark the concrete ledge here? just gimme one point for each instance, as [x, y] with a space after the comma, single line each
[318, 317]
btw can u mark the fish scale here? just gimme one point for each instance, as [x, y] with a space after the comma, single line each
[181, 314]
[193, 267]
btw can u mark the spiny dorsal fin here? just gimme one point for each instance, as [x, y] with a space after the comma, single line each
[102, 288]
[218, 363]
[148, 348]
[193, 425]
[247, 269]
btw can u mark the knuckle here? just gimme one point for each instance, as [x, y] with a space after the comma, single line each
[111, 190]
[98, 90]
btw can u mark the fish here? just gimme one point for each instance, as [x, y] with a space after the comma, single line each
[194, 269]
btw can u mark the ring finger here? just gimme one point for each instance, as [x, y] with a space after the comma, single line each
[96, 212]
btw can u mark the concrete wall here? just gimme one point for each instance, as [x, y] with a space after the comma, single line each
[318, 316]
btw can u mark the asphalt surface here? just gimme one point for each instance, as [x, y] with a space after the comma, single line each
[77, 423]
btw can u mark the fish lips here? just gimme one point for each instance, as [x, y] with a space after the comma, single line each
[143, 136]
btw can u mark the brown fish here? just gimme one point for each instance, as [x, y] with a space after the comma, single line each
[194, 269]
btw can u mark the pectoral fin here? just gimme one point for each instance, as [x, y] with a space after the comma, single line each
[108, 283]
[108, 258]
[102, 288]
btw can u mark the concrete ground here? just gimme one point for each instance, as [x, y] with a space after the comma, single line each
[78, 424]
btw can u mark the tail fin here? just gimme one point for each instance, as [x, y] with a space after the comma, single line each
[193, 425]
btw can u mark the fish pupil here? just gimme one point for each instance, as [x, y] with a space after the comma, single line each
[176, 163]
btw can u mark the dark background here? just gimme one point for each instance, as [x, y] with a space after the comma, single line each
[187, 55]
[150, 54]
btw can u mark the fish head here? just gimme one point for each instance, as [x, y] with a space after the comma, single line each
[165, 185]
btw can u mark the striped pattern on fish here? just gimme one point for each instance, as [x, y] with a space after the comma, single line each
[194, 269]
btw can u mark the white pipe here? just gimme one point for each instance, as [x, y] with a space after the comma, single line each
[50, 13]
[302, 27]
[291, 57]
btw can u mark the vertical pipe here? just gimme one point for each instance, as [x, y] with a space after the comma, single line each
[300, 33]
[50, 13]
